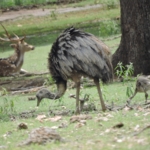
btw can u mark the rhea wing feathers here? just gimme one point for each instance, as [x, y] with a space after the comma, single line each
[76, 51]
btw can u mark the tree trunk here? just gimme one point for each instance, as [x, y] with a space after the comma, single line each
[135, 40]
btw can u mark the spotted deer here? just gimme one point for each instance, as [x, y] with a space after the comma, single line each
[12, 65]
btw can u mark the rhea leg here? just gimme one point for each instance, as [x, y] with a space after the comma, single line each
[146, 96]
[129, 100]
[96, 81]
[77, 97]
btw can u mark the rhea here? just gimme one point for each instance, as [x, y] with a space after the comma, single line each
[142, 85]
[74, 54]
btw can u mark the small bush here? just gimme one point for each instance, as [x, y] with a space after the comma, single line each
[6, 3]
[7, 107]
[108, 28]
[10, 3]
[111, 4]
[18, 2]
[124, 72]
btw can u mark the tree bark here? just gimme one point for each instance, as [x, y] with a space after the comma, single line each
[135, 40]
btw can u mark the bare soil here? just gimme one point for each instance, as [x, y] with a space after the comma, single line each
[21, 83]
[20, 14]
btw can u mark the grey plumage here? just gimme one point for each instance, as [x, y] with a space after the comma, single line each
[80, 53]
[76, 53]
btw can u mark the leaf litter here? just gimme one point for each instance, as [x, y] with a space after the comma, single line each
[43, 135]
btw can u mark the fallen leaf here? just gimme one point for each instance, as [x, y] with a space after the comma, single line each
[79, 125]
[136, 114]
[127, 108]
[83, 121]
[147, 113]
[136, 128]
[19, 25]
[7, 134]
[140, 141]
[54, 119]
[102, 119]
[63, 125]
[107, 130]
[3, 147]
[54, 127]
[78, 118]
[40, 117]
[119, 140]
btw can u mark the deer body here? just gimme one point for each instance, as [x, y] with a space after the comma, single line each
[12, 65]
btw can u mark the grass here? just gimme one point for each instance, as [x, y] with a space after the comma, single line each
[48, 24]
[10, 3]
[95, 134]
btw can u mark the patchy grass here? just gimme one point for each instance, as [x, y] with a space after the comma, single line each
[48, 24]
[98, 133]
[95, 134]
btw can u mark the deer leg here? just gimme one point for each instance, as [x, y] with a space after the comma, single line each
[129, 100]
[146, 96]
[96, 81]
[77, 97]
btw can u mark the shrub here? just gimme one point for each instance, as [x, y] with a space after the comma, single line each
[108, 28]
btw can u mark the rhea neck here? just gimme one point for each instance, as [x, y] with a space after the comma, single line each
[61, 88]
[45, 93]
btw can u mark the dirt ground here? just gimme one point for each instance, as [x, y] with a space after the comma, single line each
[13, 15]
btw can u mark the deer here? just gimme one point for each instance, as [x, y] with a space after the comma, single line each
[12, 65]
[142, 85]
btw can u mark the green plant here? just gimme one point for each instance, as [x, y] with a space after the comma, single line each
[53, 15]
[18, 2]
[124, 72]
[129, 90]
[108, 28]
[111, 4]
[48, 81]
[7, 107]
[3, 92]
[9, 4]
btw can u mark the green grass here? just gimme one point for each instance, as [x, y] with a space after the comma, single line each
[10, 3]
[94, 135]
[48, 24]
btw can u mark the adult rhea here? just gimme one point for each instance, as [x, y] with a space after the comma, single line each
[75, 54]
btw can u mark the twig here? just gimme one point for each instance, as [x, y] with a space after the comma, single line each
[86, 97]
[6, 82]
[33, 74]
[137, 133]
[27, 90]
